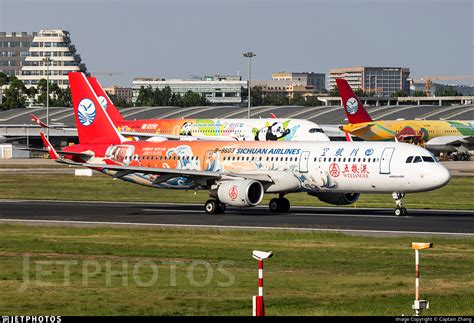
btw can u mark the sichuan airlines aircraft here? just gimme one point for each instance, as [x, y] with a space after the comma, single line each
[238, 173]
[217, 129]
[449, 135]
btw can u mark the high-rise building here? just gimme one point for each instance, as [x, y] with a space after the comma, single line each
[27, 56]
[317, 80]
[381, 81]
[13, 51]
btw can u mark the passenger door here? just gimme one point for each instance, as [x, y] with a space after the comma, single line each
[304, 158]
[385, 160]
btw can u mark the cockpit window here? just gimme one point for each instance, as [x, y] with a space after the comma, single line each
[417, 159]
[314, 130]
[428, 159]
[409, 159]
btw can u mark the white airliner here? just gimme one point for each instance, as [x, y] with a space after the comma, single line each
[211, 129]
[239, 173]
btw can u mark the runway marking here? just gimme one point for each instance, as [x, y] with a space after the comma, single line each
[242, 227]
[172, 210]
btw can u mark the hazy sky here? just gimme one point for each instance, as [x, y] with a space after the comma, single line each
[180, 38]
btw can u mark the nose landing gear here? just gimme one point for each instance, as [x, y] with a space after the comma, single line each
[400, 210]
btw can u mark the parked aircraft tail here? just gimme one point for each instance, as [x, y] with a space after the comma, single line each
[94, 126]
[105, 101]
[354, 109]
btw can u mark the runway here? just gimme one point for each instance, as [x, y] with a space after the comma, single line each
[348, 220]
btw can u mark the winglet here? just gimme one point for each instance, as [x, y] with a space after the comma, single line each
[273, 115]
[38, 121]
[354, 109]
[52, 152]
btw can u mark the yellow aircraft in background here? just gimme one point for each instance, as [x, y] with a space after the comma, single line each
[454, 136]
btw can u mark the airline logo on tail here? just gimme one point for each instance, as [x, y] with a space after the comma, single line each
[354, 109]
[103, 102]
[86, 112]
[352, 105]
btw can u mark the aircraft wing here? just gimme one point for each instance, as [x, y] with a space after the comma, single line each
[145, 136]
[467, 141]
[367, 126]
[170, 173]
[59, 152]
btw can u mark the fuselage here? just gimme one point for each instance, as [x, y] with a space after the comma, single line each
[234, 129]
[413, 131]
[361, 167]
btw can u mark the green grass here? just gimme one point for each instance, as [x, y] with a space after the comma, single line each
[456, 195]
[310, 273]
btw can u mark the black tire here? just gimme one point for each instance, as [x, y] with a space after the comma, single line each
[274, 205]
[404, 211]
[221, 208]
[284, 205]
[211, 206]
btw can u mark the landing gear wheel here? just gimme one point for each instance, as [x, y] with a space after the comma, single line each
[279, 205]
[211, 206]
[284, 205]
[400, 210]
[274, 205]
[220, 208]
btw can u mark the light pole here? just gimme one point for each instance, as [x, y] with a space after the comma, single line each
[47, 60]
[249, 55]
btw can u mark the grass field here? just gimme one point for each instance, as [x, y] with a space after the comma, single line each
[116, 271]
[456, 195]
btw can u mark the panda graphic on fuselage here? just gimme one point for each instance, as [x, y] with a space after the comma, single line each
[272, 133]
[186, 129]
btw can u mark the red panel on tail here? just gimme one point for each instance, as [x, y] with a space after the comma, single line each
[108, 105]
[354, 109]
[93, 124]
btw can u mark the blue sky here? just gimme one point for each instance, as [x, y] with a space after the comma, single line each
[180, 38]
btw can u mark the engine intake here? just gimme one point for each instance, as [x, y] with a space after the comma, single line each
[337, 198]
[240, 192]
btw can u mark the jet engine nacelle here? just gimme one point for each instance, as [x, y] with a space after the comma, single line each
[337, 198]
[240, 192]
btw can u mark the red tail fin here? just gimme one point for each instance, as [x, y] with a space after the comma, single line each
[104, 99]
[92, 122]
[354, 109]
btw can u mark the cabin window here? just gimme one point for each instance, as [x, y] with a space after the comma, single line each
[314, 130]
[409, 159]
[417, 159]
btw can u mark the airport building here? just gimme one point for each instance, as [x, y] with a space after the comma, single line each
[285, 87]
[381, 81]
[317, 80]
[124, 93]
[28, 57]
[217, 89]
[13, 51]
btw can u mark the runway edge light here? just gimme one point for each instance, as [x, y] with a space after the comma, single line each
[257, 301]
[419, 305]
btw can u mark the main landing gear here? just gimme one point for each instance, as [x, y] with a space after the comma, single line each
[279, 205]
[214, 207]
[399, 209]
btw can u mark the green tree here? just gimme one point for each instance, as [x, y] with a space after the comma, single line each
[312, 101]
[145, 97]
[276, 99]
[298, 99]
[4, 79]
[398, 93]
[15, 95]
[334, 91]
[256, 95]
[447, 91]
[418, 93]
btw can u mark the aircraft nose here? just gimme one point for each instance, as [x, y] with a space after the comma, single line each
[442, 176]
